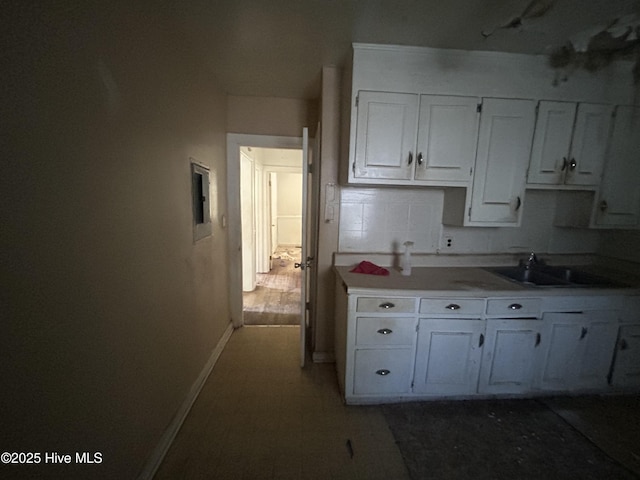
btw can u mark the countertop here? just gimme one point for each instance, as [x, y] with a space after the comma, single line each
[467, 281]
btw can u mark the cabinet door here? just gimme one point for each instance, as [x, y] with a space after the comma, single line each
[447, 136]
[626, 368]
[551, 143]
[386, 136]
[598, 344]
[619, 202]
[589, 144]
[448, 356]
[504, 144]
[510, 355]
[578, 349]
[561, 351]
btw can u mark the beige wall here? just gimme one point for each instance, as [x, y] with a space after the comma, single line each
[289, 215]
[271, 116]
[328, 230]
[621, 244]
[109, 311]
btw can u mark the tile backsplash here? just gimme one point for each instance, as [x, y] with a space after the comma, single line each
[382, 219]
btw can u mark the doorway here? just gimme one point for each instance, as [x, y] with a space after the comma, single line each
[234, 143]
[271, 210]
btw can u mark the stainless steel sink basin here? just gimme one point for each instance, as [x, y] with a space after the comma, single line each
[554, 276]
[577, 276]
[529, 276]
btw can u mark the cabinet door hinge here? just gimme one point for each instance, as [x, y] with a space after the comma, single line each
[357, 100]
[471, 171]
[469, 212]
[353, 168]
[479, 108]
[307, 306]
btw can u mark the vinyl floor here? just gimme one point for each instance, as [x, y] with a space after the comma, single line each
[260, 416]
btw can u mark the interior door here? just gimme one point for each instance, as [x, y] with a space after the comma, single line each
[304, 262]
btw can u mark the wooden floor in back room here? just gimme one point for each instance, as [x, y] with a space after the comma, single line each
[276, 298]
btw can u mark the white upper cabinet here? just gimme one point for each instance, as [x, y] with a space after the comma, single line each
[569, 144]
[504, 144]
[415, 139]
[447, 134]
[385, 136]
[619, 198]
[551, 143]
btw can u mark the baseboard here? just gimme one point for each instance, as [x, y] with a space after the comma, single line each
[156, 457]
[323, 357]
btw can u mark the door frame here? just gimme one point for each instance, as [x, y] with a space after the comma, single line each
[234, 226]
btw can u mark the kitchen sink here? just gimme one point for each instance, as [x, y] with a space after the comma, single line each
[553, 276]
[578, 277]
[528, 276]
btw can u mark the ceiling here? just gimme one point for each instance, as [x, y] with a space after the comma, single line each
[278, 47]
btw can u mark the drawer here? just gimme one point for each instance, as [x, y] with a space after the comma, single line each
[383, 371]
[386, 305]
[508, 307]
[458, 306]
[385, 330]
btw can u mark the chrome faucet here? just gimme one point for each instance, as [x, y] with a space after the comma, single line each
[531, 261]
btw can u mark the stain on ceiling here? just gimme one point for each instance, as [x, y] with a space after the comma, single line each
[277, 47]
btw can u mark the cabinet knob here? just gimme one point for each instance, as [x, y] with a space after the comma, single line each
[538, 339]
[623, 344]
[385, 331]
[564, 164]
[515, 306]
[481, 342]
[573, 164]
[518, 203]
[420, 159]
[453, 306]
[386, 305]
[383, 372]
[410, 158]
[583, 332]
[603, 206]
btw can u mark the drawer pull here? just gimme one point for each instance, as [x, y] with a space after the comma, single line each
[583, 332]
[515, 306]
[387, 305]
[383, 372]
[481, 342]
[538, 339]
[385, 331]
[453, 306]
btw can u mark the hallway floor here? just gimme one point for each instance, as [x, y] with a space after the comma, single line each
[260, 416]
[276, 298]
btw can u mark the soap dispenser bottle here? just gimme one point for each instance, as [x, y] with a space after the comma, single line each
[406, 259]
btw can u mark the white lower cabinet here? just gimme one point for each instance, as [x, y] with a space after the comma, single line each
[510, 355]
[626, 367]
[392, 348]
[578, 350]
[448, 356]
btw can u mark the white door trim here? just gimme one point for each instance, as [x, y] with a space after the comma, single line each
[234, 231]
